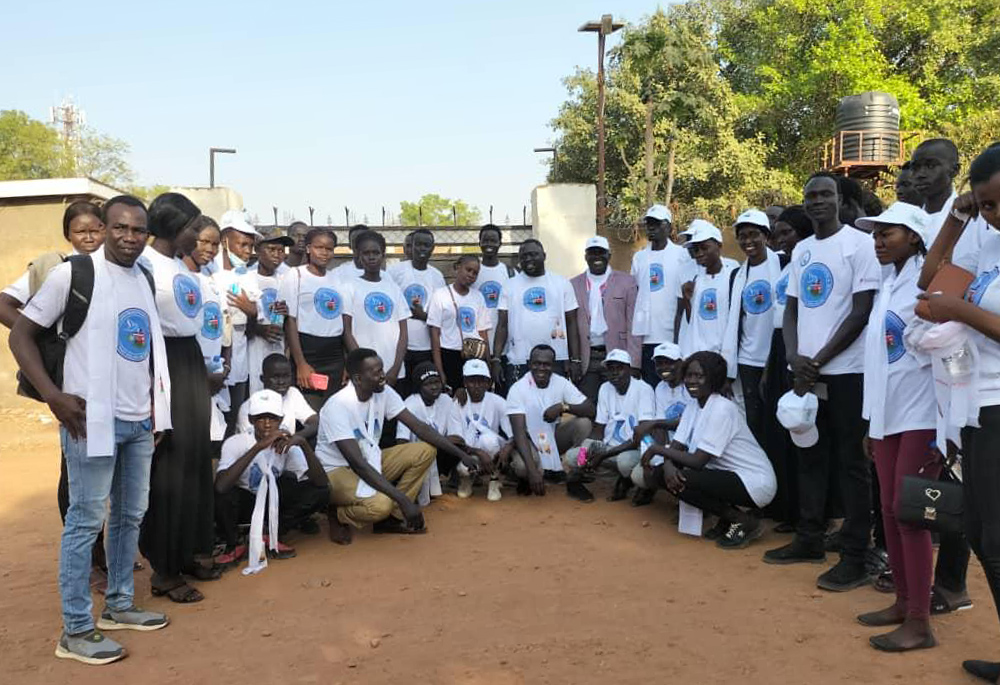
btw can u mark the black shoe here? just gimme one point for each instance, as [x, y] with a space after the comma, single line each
[309, 526]
[739, 536]
[794, 553]
[831, 542]
[523, 487]
[876, 561]
[622, 486]
[717, 531]
[845, 575]
[784, 528]
[579, 491]
[943, 604]
[987, 670]
[555, 476]
[642, 497]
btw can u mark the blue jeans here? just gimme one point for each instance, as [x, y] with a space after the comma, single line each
[124, 478]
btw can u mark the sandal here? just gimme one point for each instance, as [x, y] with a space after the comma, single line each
[200, 572]
[181, 594]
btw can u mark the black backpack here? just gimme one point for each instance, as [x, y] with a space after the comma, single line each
[52, 341]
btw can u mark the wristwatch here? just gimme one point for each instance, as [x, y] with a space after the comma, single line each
[565, 408]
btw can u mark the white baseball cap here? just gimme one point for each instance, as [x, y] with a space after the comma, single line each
[798, 415]
[668, 350]
[237, 220]
[620, 356]
[475, 367]
[900, 214]
[660, 213]
[700, 230]
[754, 217]
[598, 241]
[266, 402]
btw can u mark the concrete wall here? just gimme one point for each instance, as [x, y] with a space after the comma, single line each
[212, 202]
[563, 217]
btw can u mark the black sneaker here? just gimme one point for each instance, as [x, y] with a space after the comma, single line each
[642, 497]
[309, 526]
[579, 491]
[738, 536]
[622, 486]
[831, 542]
[794, 553]
[717, 531]
[845, 575]
[554, 476]
[986, 670]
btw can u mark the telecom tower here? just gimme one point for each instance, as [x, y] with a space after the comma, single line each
[68, 120]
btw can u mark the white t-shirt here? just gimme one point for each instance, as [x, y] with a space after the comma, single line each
[985, 292]
[258, 347]
[376, 310]
[719, 429]
[659, 273]
[178, 294]
[758, 317]
[294, 406]
[293, 461]
[490, 414]
[670, 402]
[709, 311]
[210, 333]
[620, 414]
[781, 296]
[20, 289]
[527, 399]
[316, 302]
[472, 315]
[134, 337]
[442, 416]
[235, 281]
[344, 417]
[417, 287]
[491, 283]
[824, 277]
[536, 313]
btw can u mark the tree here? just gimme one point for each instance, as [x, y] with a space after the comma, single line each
[102, 158]
[434, 210]
[28, 148]
[149, 193]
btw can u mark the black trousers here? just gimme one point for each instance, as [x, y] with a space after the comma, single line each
[981, 490]
[297, 501]
[405, 385]
[952, 565]
[777, 443]
[649, 366]
[753, 400]
[237, 396]
[715, 491]
[593, 375]
[452, 362]
[837, 457]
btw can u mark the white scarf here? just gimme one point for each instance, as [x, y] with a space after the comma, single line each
[595, 303]
[267, 499]
[642, 317]
[730, 339]
[876, 359]
[431, 487]
[101, 329]
[370, 450]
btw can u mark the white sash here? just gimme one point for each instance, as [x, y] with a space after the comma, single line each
[730, 340]
[267, 492]
[370, 450]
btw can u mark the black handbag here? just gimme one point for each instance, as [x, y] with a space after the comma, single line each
[932, 504]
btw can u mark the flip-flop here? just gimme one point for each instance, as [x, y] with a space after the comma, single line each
[180, 594]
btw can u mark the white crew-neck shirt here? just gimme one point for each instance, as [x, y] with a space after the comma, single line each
[527, 399]
[293, 461]
[709, 311]
[417, 287]
[471, 315]
[659, 274]
[620, 414]
[316, 302]
[757, 304]
[178, 294]
[345, 417]
[442, 416]
[536, 313]
[376, 310]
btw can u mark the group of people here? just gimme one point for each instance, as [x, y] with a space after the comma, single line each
[798, 385]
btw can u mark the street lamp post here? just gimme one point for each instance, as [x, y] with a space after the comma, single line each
[603, 28]
[212, 151]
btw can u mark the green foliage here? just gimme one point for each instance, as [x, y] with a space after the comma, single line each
[148, 193]
[434, 210]
[102, 158]
[28, 149]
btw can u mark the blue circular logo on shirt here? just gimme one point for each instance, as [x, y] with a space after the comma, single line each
[817, 282]
[674, 411]
[416, 294]
[655, 277]
[327, 303]
[134, 338]
[708, 305]
[804, 259]
[894, 328]
[534, 299]
[757, 297]
[187, 294]
[211, 321]
[617, 435]
[491, 293]
[781, 290]
[268, 296]
[378, 306]
[467, 319]
[978, 287]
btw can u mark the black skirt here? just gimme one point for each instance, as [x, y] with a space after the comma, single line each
[180, 518]
[326, 356]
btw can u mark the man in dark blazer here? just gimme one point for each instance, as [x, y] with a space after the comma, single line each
[606, 300]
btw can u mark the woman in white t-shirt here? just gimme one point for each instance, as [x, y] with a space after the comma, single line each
[456, 312]
[314, 326]
[713, 462]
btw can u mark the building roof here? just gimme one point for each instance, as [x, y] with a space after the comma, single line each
[56, 187]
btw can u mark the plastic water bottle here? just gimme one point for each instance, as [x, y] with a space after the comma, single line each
[216, 365]
[959, 363]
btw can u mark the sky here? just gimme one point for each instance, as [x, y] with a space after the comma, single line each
[329, 104]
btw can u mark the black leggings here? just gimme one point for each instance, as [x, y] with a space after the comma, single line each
[981, 489]
[717, 492]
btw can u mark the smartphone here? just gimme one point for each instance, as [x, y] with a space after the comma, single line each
[319, 381]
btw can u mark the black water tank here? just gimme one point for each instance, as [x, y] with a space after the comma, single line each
[877, 115]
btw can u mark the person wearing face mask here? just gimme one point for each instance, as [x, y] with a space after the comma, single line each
[703, 304]
[605, 316]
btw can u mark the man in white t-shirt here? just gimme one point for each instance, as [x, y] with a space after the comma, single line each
[115, 373]
[351, 268]
[418, 280]
[623, 405]
[493, 277]
[703, 303]
[536, 405]
[538, 308]
[243, 469]
[831, 289]
[265, 332]
[276, 375]
[369, 484]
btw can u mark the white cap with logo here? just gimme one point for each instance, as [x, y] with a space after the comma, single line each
[660, 213]
[700, 230]
[798, 415]
[754, 217]
[475, 367]
[266, 402]
[237, 220]
[598, 241]
[667, 350]
[900, 214]
[620, 356]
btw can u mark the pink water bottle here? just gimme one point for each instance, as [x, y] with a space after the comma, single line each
[581, 457]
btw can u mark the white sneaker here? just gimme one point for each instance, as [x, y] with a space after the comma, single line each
[465, 486]
[493, 493]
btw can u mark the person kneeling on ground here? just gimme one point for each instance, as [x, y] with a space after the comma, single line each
[623, 404]
[713, 462]
[368, 484]
[433, 407]
[248, 463]
[535, 405]
[484, 425]
[299, 418]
